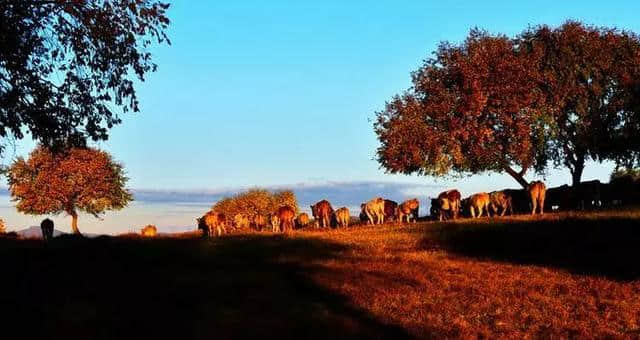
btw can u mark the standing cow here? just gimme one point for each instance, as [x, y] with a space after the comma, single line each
[259, 222]
[390, 210]
[537, 192]
[500, 201]
[322, 213]
[286, 215]
[449, 204]
[212, 223]
[374, 210]
[47, 229]
[409, 208]
[343, 216]
[478, 203]
[275, 223]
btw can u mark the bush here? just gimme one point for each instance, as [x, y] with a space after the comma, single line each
[149, 231]
[255, 202]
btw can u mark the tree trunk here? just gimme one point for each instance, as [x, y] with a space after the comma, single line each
[576, 172]
[74, 223]
[518, 176]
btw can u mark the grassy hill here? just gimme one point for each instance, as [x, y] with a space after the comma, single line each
[573, 274]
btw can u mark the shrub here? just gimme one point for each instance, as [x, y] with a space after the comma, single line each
[149, 231]
[255, 202]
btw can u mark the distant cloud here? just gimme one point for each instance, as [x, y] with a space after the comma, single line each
[349, 194]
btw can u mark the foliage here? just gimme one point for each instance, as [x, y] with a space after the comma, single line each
[84, 179]
[149, 230]
[472, 108]
[65, 66]
[590, 77]
[495, 103]
[629, 175]
[256, 202]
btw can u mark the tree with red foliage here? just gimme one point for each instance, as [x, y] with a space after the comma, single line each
[591, 80]
[509, 105]
[67, 68]
[79, 179]
[472, 108]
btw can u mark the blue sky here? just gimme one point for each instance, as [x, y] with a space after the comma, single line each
[281, 93]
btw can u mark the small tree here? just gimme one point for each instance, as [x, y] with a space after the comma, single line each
[80, 179]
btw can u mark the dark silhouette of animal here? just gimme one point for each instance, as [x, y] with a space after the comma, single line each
[449, 204]
[302, 220]
[374, 209]
[343, 216]
[363, 215]
[500, 202]
[588, 194]
[520, 200]
[286, 215]
[322, 212]
[390, 210]
[47, 229]
[478, 203]
[537, 192]
[409, 209]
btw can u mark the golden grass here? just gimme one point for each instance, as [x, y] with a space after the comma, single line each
[404, 276]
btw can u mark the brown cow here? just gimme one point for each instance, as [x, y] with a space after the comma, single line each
[449, 202]
[286, 215]
[302, 220]
[343, 216]
[409, 208]
[212, 223]
[500, 201]
[322, 212]
[390, 210]
[259, 222]
[478, 203]
[374, 210]
[537, 192]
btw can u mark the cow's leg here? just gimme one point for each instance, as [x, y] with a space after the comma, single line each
[533, 205]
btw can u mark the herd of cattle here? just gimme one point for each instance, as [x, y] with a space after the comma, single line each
[449, 205]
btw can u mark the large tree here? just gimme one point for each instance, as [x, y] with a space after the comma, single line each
[78, 179]
[472, 108]
[590, 77]
[512, 104]
[67, 68]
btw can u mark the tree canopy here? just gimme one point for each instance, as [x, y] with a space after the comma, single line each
[83, 179]
[67, 68]
[256, 202]
[495, 103]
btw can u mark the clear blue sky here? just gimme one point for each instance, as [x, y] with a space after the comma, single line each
[282, 92]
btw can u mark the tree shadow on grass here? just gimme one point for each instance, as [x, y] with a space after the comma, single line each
[599, 247]
[236, 287]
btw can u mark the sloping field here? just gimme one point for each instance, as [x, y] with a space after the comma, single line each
[568, 275]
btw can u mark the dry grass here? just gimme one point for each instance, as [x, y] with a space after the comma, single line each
[561, 275]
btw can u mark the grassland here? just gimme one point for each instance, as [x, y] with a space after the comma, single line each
[561, 275]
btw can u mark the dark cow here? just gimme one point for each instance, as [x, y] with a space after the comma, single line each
[449, 204]
[322, 213]
[520, 200]
[47, 229]
[500, 202]
[390, 210]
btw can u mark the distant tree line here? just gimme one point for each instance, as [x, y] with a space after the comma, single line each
[546, 97]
